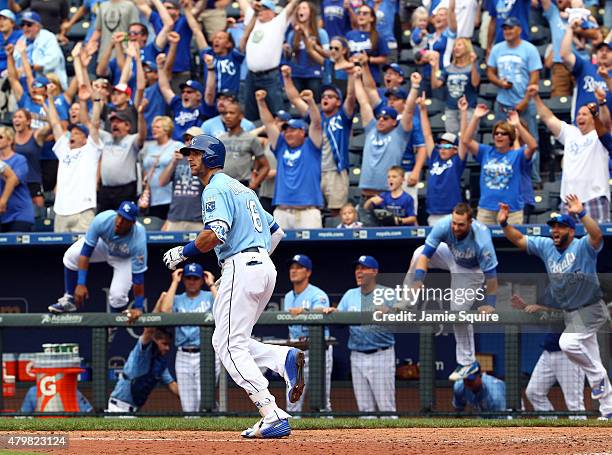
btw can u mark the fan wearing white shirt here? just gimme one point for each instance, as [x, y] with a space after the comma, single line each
[78, 151]
[585, 159]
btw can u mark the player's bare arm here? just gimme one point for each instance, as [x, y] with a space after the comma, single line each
[511, 233]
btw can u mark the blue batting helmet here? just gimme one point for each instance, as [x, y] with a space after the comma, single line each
[211, 148]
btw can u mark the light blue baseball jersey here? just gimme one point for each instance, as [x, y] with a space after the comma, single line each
[133, 245]
[233, 212]
[137, 365]
[366, 337]
[310, 299]
[202, 303]
[572, 272]
[491, 396]
[475, 250]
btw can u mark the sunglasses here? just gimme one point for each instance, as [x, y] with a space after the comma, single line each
[335, 48]
[363, 13]
[446, 146]
[329, 95]
[385, 117]
[133, 33]
[500, 133]
[171, 6]
[27, 24]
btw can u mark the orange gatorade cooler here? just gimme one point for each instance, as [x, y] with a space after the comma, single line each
[56, 381]
[25, 362]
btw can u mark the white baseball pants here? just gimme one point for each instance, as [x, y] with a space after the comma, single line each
[243, 295]
[556, 367]
[461, 278]
[329, 363]
[374, 380]
[187, 366]
[121, 282]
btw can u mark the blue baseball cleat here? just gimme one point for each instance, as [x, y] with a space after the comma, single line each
[294, 371]
[275, 425]
[65, 304]
[463, 371]
[599, 390]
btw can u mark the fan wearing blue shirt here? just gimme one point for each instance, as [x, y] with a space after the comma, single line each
[464, 247]
[501, 10]
[571, 265]
[156, 105]
[114, 237]
[305, 298]
[189, 109]
[297, 190]
[386, 137]
[396, 201]
[215, 126]
[146, 366]
[336, 18]
[187, 338]
[8, 34]
[372, 346]
[586, 73]
[17, 214]
[502, 165]
[366, 40]
[446, 161]
[481, 391]
[337, 118]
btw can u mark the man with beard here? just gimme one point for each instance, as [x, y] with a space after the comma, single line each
[571, 265]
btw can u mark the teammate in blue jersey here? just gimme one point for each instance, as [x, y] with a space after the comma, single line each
[114, 237]
[372, 346]
[481, 391]
[146, 366]
[243, 236]
[571, 265]
[187, 338]
[464, 247]
[305, 298]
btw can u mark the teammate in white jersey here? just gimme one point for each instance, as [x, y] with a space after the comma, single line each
[238, 229]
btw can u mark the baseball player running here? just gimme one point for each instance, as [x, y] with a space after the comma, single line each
[238, 229]
[187, 338]
[464, 247]
[571, 265]
[114, 237]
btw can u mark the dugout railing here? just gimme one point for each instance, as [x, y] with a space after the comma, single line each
[510, 324]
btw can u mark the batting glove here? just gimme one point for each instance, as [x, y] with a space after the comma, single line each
[174, 257]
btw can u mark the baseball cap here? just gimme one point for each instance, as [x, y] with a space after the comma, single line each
[270, 4]
[367, 261]
[397, 92]
[193, 269]
[303, 260]
[193, 131]
[599, 46]
[123, 88]
[296, 123]
[128, 210]
[79, 126]
[194, 85]
[332, 88]
[283, 115]
[32, 17]
[448, 137]
[395, 67]
[151, 64]
[226, 92]
[40, 82]
[120, 115]
[566, 220]
[511, 21]
[8, 14]
[387, 110]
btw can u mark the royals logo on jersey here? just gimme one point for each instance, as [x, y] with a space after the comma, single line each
[209, 205]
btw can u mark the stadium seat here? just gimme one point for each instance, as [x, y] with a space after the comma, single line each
[151, 223]
[488, 91]
[356, 143]
[539, 35]
[487, 122]
[354, 195]
[354, 175]
[560, 105]
[78, 31]
[406, 57]
[437, 124]
[355, 158]
[545, 87]
[435, 106]
[233, 10]
[331, 221]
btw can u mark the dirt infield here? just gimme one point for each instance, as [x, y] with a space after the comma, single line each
[456, 441]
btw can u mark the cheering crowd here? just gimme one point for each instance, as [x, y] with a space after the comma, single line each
[340, 114]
